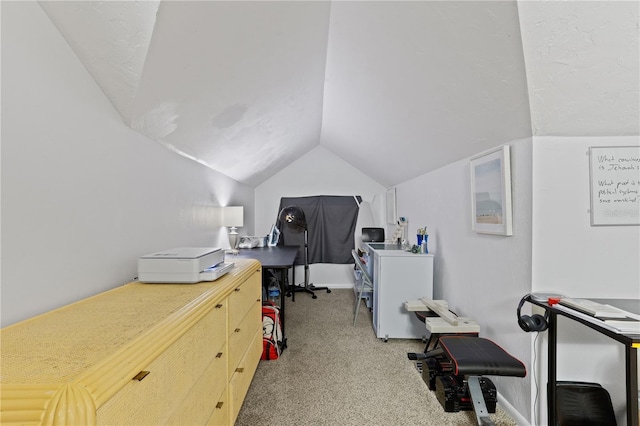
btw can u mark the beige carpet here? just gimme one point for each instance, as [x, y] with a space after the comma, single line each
[335, 373]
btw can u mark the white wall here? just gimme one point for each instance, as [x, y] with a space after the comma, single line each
[570, 256]
[83, 196]
[573, 258]
[318, 172]
[553, 248]
[480, 276]
[582, 66]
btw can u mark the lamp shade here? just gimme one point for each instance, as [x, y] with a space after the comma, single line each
[233, 216]
[293, 216]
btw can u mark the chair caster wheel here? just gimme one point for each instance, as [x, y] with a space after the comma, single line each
[328, 290]
[314, 297]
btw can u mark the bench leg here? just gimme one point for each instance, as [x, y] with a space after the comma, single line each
[479, 406]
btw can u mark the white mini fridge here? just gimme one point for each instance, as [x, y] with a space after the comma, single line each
[399, 276]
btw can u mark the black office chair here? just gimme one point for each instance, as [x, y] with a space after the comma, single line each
[583, 404]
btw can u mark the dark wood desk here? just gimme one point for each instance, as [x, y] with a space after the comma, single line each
[281, 259]
[630, 341]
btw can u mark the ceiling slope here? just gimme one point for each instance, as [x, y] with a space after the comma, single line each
[583, 66]
[237, 85]
[111, 39]
[413, 86]
[395, 88]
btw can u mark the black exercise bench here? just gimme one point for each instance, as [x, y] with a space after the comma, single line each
[454, 369]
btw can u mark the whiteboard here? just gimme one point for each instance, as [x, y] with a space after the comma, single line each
[614, 185]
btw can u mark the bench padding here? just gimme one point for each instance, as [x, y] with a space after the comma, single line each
[478, 356]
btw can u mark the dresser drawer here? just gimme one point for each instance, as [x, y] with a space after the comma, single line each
[198, 406]
[76, 365]
[242, 299]
[242, 336]
[172, 374]
[242, 375]
[220, 415]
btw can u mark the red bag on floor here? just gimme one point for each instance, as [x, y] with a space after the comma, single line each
[271, 331]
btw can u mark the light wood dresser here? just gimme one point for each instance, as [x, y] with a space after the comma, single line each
[140, 354]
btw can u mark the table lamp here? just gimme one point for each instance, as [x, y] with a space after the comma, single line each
[233, 217]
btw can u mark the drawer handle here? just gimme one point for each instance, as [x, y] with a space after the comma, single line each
[141, 375]
[237, 289]
[219, 355]
[239, 370]
[258, 300]
[219, 404]
[219, 305]
[237, 330]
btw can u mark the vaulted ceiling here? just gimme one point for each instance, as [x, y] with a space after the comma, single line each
[394, 88]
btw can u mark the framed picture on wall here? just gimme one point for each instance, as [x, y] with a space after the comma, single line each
[391, 206]
[491, 192]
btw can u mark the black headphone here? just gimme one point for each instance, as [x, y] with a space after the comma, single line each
[534, 322]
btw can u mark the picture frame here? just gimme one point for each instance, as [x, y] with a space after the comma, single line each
[390, 204]
[491, 210]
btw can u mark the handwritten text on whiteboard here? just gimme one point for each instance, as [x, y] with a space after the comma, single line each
[615, 185]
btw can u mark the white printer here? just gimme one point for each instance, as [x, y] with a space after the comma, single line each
[183, 265]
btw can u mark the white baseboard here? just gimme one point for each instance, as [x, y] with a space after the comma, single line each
[508, 408]
[332, 286]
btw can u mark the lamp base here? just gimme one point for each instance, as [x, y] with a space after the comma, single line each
[233, 238]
